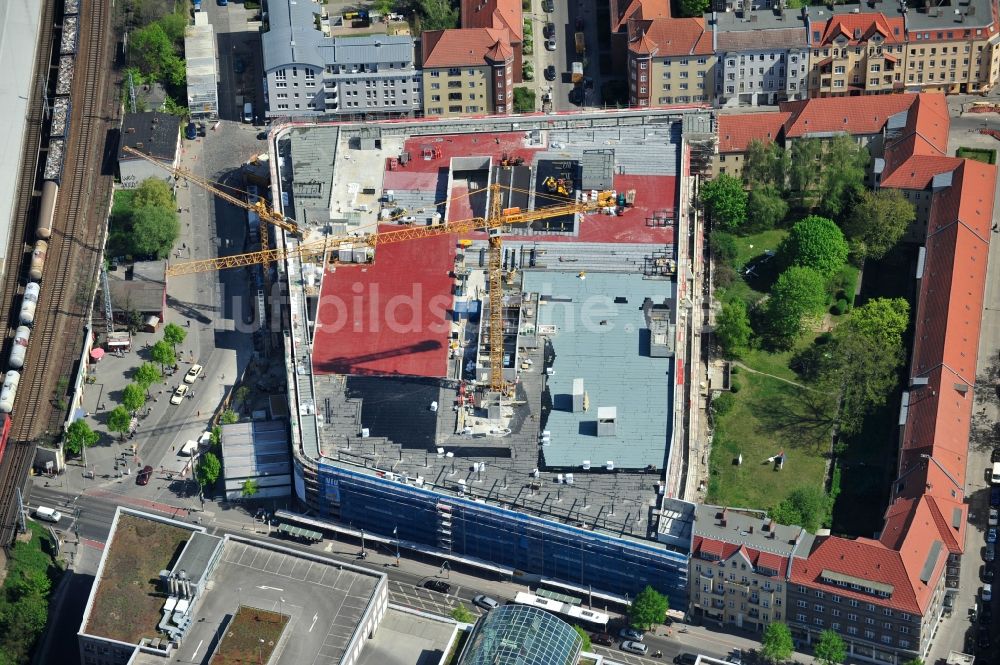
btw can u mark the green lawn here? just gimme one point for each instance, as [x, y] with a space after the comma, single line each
[768, 416]
[979, 154]
[754, 246]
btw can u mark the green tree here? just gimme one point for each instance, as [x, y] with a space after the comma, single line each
[766, 208]
[163, 353]
[732, 327]
[815, 242]
[154, 53]
[878, 220]
[384, 6]
[154, 231]
[914, 661]
[173, 26]
[583, 636]
[215, 436]
[524, 100]
[134, 397]
[648, 609]
[241, 395]
[146, 375]
[830, 648]
[173, 335]
[776, 643]
[765, 164]
[845, 163]
[797, 293]
[861, 364]
[807, 507]
[723, 246]
[154, 192]
[249, 489]
[119, 421]
[79, 436]
[230, 417]
[692, 8]
[462, 614]
[209, 469]
[437, 15]
[725, 201]
[805, 170]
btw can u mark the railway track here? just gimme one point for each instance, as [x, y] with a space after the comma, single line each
[74, 250]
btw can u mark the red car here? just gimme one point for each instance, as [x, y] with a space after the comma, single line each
[143, 476]
[602, 638]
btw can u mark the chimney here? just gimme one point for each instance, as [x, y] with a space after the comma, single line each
[577, 396]
[607, 417]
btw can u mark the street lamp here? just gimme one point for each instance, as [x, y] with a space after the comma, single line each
[395, 533]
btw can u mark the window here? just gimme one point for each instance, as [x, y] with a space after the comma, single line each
[835, 612]
[870, 621]
[802, 589]
[852, 617]
[818, 622]
[800, 617]
[876, 68]
[869, 634]
[310, 74]
[887, 612]
[835, 598]
[818, 608]
[903, 644]
[887, 625]
[802, 603]
[852, 602]
[851, 630]
[871, 607]
[905, 630]
[819, 594]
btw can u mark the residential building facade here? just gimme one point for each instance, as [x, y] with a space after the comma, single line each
[307, 73]
[739, 565]
[467, 71]
[670, 61]
[736, 131]
[499, 15]
[856, 54]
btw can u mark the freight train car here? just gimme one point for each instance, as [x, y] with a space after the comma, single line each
[38, 261]
[47, 209]
[9, 391]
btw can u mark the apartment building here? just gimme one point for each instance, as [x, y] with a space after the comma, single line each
[670, 61]
[468, 71]
[738, 566]
[855, 54]
[499, 15]
[736, 131]
[308, 73]
[623, 11]
[763, 57]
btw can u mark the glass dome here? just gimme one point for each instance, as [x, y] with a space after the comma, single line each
[522, 635]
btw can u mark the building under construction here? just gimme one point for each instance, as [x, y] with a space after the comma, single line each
[507, 396]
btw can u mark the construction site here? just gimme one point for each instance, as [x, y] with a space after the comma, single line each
[487, 337]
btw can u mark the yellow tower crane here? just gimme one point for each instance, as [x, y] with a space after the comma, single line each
[497, 217]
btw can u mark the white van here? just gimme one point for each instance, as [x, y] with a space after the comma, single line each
[995, 475]
[47, 514]
[248, 112]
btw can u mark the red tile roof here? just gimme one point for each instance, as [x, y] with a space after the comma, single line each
[736, 130]
[726, 551]
[494, 14]
[672, 36]
[462, 47]
[917, 171]
[859, 28]
[872, 561]
[624, 10]
[844, 114]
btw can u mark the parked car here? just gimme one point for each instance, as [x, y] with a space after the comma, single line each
[986, 616]
[486, 602]
[47, 514]
[193, 373]
[991, 552]
[191, 131]
[987, 594]
[994, 516]
[548, 6]
[983, 639]
[550, 45]
[603, 639]
[736, 655]
[550, 73]
[143, 477]
[179, 394]
[635, 647]
[995, 455]
[630, 634]
[995, 496]
[991, 535]
[437, 585]
[685, 659]
[986, 573]
[579, 24]
[549, 30]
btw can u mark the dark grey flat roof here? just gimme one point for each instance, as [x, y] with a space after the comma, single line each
[197, 554]
[151, 132]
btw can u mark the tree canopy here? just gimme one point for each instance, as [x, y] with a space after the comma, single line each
[249, 488]
[808, 507]
[229, 417]
[209, 469]
[437, 15]
[725, 201]
[732, 327]
[585, 636]
[79, 436]
[154, 230]
[776, 643]
[153, 192]
[146, 375]
[845, 162]
[815, 242]
[830, 648]
[797, 293]
[692, 8]
[119, 421]
[173, 335]
[766, 207]
[648, 609]
[765, 164]
[163, 353]
[462, 614]
[805, 170]
[878, 220]
[154, 52]
[133, 397]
